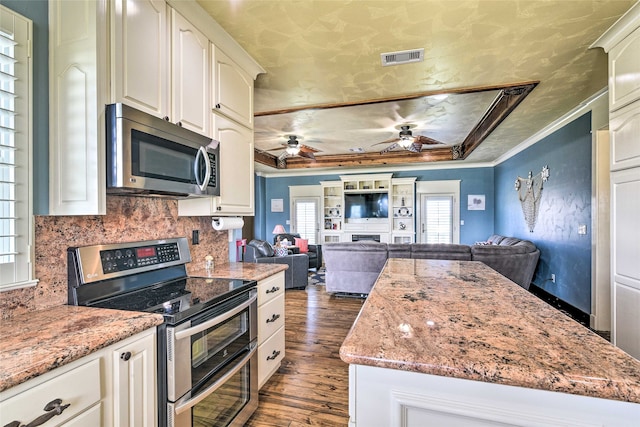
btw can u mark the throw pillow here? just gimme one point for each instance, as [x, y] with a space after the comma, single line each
[303, 244]
[281, 251]
[483, 243]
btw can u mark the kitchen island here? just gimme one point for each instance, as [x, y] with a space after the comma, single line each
[455, 343]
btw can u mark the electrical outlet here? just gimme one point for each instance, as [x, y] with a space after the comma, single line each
[553, 278]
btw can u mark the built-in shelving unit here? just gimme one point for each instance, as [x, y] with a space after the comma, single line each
[403, 210]
[332, 203]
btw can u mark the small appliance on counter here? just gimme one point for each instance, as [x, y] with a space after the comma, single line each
[207, 358]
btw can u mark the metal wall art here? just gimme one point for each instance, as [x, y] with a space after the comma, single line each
[530, 194]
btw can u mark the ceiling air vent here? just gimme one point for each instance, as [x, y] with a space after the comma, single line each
[402, 57]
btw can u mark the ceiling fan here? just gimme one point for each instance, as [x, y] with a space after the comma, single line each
[407, 141]
[294, 148]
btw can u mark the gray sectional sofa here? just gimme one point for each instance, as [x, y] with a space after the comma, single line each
[353, 267]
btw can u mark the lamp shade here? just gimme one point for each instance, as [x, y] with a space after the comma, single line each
[279, 229]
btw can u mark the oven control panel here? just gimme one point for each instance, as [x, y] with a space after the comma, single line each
[122, 259]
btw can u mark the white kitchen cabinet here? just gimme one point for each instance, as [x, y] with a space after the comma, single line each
[271, 320]
[232, 93]
[392, 397]
[190, 76]
[622, 43]
[236, 175]
[78, 387]
[134, 383]
[77, 82]
[625, 253]
[101, 389]
[140, 55]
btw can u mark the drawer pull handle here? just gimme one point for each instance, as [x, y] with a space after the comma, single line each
[274, 289]
[274, 355]
[274, 317]
[125, 356]
[53, 408]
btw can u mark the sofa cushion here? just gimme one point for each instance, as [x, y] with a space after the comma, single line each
[263, 248]
[495, 239]
[448, 251]
[399, 250]
[509, 241]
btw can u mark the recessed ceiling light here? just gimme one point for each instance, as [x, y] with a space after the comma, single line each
[357, 150]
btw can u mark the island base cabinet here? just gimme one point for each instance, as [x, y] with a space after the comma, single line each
[394, 398]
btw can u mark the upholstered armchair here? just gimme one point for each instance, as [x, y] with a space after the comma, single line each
[315, 251]
[295, 276]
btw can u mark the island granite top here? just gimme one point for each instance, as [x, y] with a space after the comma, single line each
[464, 320]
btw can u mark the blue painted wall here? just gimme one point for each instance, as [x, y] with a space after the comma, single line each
[565, 204]
[38, 12]
[478, 224]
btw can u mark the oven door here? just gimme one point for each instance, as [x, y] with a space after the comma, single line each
[209, 342]
[229, 398]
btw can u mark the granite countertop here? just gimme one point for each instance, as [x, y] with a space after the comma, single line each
[236, 270]
[462, 319]
[37, 342]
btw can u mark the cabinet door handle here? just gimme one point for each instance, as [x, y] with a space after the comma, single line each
[179, 124]
[273, 318]
[165, 118]
[125, 356]
[53, 408]
[274, 355]
[217, 105]
[274, 289]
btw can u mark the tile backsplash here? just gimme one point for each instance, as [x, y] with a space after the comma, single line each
[128, 219]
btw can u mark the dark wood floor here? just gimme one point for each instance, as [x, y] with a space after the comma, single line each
[311, 387]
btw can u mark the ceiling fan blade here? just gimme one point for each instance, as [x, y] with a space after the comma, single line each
[426, 140]
[389, 148]
[307, 149]
[416, 147]
[276, 149]
[307, 154]
[387, 141]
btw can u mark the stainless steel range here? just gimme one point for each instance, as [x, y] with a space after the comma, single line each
[207, 359]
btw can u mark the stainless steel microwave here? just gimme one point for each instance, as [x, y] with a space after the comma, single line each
[150, 156]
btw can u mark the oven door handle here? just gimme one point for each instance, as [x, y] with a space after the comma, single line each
[216, 320]
[181, 407]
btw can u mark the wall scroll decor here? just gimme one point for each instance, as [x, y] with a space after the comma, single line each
[530, 195]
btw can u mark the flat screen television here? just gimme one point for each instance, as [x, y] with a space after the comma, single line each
[366, 205]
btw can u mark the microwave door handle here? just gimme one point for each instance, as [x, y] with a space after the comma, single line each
[200, 397]
[202, 156]
[216, 320]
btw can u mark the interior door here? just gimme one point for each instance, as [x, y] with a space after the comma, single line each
[305, 218]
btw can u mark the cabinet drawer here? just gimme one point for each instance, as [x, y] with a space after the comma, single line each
[270, 355]
[88, 418]
[80, 388]
[270, 288]
[270, 317]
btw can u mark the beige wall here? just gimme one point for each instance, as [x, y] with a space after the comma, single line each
[128, 219]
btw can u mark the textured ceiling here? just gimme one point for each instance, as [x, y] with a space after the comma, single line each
[328, 52]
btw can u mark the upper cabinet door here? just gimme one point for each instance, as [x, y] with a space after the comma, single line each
[141, 54]
[233, 89]
[624, 79]
[190, 76]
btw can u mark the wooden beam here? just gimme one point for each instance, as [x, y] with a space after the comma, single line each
[265, 158]
[371, 159]
[502, 106]
[471, 89]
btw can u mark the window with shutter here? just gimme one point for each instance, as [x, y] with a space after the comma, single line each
[439, 219]
[306, 218]
[15, 150]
